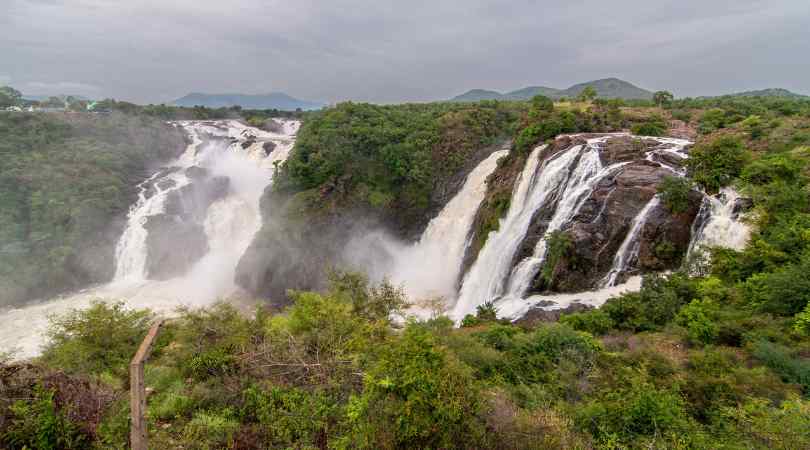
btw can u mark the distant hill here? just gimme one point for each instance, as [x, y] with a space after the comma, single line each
[275, 100]
[605, 88]
[771, 92]
[476, 95]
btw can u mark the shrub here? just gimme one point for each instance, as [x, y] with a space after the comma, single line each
[654, 127]
[595, 322]
[712, 120]
[697, 318]
[801, 323]
[773, 168]
[289, 417]
[674, 192]
[784, 427]
[785, 291]
[779, 359]
[658, 301]
[716, 163]
[416, 395]
[101, 338]
[36, 423]
[210, 429]
[626, 415]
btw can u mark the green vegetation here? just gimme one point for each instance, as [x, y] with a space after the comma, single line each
[389, 159]
[63, 178]
[709, 359]
[674, 191]
[9, 97]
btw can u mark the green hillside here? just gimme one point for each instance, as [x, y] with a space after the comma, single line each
[605, 88]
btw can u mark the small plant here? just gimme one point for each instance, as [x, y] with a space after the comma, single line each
[674, 191]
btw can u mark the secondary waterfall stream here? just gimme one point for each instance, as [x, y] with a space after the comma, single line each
[221, 148]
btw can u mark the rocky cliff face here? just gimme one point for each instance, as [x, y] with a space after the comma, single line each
[603, 221]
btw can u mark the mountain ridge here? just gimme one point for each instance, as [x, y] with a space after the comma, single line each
[273, 100]
[605, 88]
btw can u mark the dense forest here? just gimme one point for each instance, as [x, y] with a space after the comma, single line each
[715, 355]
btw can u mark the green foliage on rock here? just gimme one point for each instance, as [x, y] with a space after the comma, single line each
[674, 192]
[716, 163]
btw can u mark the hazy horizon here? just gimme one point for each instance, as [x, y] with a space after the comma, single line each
[148, 51]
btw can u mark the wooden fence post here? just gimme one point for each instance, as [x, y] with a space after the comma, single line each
[138, 436]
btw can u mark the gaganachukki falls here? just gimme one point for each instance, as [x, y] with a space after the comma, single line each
[594, 195]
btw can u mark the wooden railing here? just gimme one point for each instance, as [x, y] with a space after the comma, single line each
[138, 435]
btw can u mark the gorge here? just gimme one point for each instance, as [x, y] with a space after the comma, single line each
[584, 221]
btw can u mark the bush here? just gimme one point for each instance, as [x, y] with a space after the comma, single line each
[674, 192]
[102, 338]
[801, 323]
[716, 163]
[654, 127]
[595, 322]
[779, 359]
[288, 418]
[712, 120]
[36, 423]
[416, 396]
[697, 318]
[211, 429]
[628, 415]
[658, 301]
[785, 292]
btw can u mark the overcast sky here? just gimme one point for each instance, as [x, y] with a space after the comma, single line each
[382, 51]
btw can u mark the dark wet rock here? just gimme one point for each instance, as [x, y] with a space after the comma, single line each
[166, 183]
[742, 205]
[192, 200]
[247, 143]
[197, 172]
[268, 147]
[173, 246]
[597, 231]
[538, 314]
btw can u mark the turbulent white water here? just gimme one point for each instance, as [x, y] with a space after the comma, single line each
[628, 251]
[717, 225]
[229, 225]
[430, 267]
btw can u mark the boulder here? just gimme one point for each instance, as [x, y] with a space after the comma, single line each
[172, 246]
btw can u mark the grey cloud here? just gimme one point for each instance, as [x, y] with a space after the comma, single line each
[157, 50]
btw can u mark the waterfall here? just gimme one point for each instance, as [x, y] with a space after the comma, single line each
[718, 225]
[560, 184]
[431, 266]
[487, 276]
[588, 172]
[224, 148]
[628, 251]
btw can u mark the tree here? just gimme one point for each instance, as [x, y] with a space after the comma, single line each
[663, 98]
[587, 94]
[9, 96]
[541, 103]
[715, 164]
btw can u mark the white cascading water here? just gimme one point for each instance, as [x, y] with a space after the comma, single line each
[229, 225]
[488, 275]
[628, 251]
[567, 179]
[717, 225]
[430, 267]
[588, 172]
